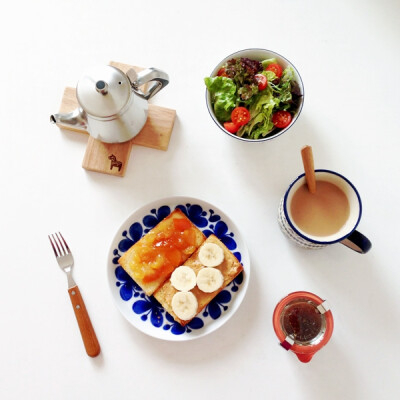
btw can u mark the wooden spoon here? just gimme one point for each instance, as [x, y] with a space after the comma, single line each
[308, 163]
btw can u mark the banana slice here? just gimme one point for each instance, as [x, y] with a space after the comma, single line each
[184, 305]
[211, 255]
[209, 279]
[183, 278]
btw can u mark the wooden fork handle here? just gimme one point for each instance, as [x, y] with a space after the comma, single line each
[85, 325]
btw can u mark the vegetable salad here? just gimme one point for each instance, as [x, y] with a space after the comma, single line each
[253, 98]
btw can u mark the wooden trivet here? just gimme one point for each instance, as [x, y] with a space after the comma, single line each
[112, 158]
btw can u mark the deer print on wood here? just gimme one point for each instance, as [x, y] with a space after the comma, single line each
[115, 162]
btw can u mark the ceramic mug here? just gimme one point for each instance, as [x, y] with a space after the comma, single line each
[347, 234]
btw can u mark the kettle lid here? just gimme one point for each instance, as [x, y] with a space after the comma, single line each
[103, 91]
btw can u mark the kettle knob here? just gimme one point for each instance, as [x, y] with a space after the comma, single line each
[102, 87]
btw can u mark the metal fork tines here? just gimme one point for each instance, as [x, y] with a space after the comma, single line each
[66, 261]
[64, 256]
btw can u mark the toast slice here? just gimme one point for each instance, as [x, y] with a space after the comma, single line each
[152, 259]
[230, 269]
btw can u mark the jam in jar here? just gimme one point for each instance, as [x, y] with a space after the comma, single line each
[302, 321]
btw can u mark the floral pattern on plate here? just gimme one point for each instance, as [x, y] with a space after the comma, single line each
[151, 314]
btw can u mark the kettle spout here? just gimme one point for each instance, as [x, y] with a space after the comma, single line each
[75, 119]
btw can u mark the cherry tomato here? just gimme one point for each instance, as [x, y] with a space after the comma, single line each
[262, 81]
[276, 69]
[240, 116]
[222, 72]
[231, 127]
[281, 119]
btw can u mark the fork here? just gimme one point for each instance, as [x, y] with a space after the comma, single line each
[66, 262]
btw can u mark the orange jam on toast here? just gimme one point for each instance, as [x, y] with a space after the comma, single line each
[160, 252]
[152, 259]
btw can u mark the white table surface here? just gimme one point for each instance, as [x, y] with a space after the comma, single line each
[347, 53]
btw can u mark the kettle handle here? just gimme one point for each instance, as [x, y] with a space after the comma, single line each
[159, 80]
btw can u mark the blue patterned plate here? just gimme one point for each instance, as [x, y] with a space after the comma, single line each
[144, 312]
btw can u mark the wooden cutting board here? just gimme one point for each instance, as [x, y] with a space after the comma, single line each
[112, 158]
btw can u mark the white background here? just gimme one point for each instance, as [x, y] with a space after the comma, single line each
[347, 53]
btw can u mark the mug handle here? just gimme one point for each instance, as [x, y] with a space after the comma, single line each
[158, 78]
[357, 242]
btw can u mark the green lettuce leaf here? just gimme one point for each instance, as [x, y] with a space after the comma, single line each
[261, 110]
[269, 61]
[283, 90]
[270, 75]
[223, 96]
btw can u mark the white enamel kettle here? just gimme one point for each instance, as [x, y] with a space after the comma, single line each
[112, 108]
